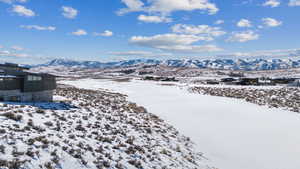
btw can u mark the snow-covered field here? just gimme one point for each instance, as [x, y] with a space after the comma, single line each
[232, 133]
[91, 130]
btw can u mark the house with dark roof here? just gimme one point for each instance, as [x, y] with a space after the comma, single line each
[295, 83]
[19, 85]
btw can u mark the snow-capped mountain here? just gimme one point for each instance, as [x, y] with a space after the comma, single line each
[95, 64]
[229, 64]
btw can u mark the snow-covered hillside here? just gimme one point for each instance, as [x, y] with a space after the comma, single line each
[91, 129]
[232, 133]
[228, 64]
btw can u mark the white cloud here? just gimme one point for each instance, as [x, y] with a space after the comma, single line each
[294, 3]
[277, 53]
[132, 6]
[23, 11]
[12, 1]
[4, 53]
[166, 7]
[154, 19]
[18, 48]
[219, 22]
[272, 3]
[130, 53]
[12, 54]
[244, 23]
[166, 39]
[139, 53]
[106, 33]
[174, 43]
[204, 30]
[270, 22]
[192, 48]
[246, 2]
[40, 28]
[69, 12]
[6, 1]
[243, 36]
[80, 32]
[19, 55]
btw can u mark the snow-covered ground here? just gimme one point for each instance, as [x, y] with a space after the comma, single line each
[232, 133]
[97, 130]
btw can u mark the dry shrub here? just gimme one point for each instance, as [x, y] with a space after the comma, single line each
[12, 116]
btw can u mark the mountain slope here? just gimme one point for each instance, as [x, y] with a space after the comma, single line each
[228, 64]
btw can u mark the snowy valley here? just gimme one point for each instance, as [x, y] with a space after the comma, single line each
[149, 84]
[155, 116]
[231, 133]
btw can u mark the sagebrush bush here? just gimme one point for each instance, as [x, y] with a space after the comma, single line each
[12, 116]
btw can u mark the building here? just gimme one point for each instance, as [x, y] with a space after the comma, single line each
[248, 81]
[229, 81]
[283, 80]
[295, 83]
[19, 85]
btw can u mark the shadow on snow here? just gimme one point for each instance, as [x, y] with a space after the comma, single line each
[45, 105]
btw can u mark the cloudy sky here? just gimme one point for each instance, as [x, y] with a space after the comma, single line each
[38, 30]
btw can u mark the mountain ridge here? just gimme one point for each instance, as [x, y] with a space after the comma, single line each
[227, 64]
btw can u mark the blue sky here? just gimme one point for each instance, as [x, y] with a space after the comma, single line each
[34, 31]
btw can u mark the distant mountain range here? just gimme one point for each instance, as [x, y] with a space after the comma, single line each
[228, 64]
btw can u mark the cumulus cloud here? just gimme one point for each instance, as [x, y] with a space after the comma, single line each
[12, 54]
[80, 32]
[106, 33]
[69, 12]
[294, 3]
[40, 28]
[166, 7]
[219, 22]
[244, 23]
[4, 53]
[12, 1]
[192, 48]
[182, 39]
[130, 53]
[271, 22]
[154, 19]
[277, 53]
[132, 6]
[203, 30]
[18, 48]
[174, 43]
[166, 39]
[6, 1]
[139, 53]
[272, 3]
[243, 36]
[23, 11]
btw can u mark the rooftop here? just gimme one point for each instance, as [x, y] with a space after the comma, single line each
[13, 65]
[7, 76]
